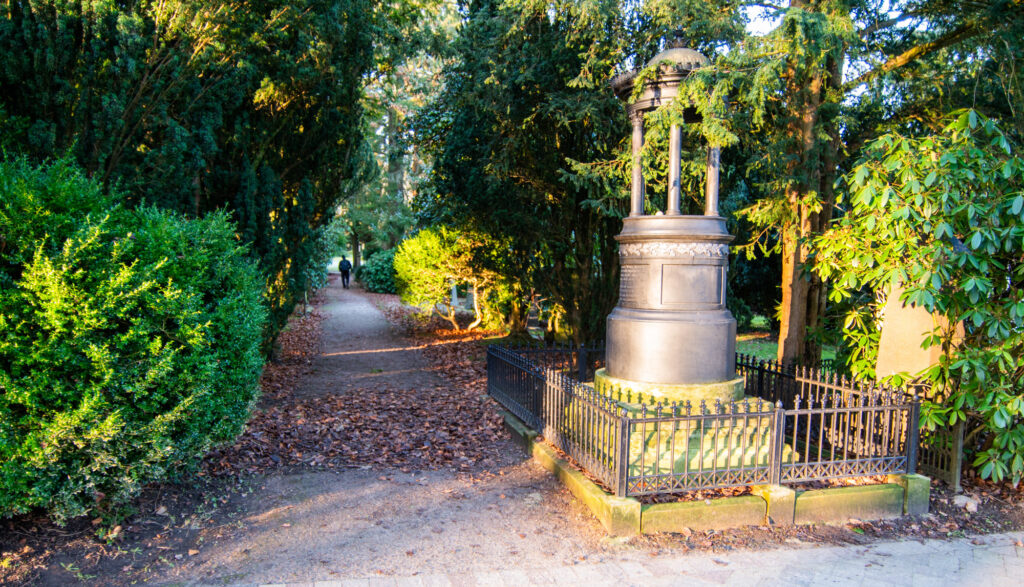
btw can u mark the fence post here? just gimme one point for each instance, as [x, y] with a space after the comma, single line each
[581, 363]
[558, 410]
[913, 435]
[760, 379]
[490, 370]
[545, 393]
[622, 458]
[957, 458]
[778, 434]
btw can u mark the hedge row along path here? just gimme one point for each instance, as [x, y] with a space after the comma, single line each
[375, 454]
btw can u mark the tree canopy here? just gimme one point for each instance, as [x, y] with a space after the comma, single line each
[254, 107]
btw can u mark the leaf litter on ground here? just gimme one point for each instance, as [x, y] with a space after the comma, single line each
[449, 426]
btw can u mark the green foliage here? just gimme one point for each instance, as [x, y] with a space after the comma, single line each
[129, 342]
[420, 268]
[427, 264]
[943, 216]
[329, 242]
[520, 104]
[410, 60]
[377, 274]
[251, 107]
[42, 206]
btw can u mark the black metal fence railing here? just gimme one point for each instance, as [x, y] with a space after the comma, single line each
[533, 384]
[941, 453]
[580, 362]
[796, 425]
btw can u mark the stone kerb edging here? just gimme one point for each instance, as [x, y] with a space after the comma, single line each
[769, 504]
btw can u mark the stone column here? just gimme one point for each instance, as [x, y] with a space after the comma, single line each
[711, 197]
[636, 206]
[675, 145]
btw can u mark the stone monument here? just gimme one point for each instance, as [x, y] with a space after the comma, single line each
[671, 338]
[904, 328]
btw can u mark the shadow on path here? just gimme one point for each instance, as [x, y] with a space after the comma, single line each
[359, 349]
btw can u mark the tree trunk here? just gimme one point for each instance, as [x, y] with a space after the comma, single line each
[449, 315]
[817, 294]
[793, 317]
[517, 318]
[804, 296]
[477, 316]
[805, 170]
[395, 169]
[356, 259]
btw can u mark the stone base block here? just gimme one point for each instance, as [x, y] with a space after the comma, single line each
[636, 392]
[620, 516]
[863, 502]
[917, 490]
[522, 435]
[781, 503]
[727, 512]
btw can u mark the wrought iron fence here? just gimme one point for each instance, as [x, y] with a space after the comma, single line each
[939, 452]
[797, 425]
[942, 453]
[534, 385]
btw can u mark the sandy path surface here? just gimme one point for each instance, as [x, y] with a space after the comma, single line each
[374, 521]
[360, 350]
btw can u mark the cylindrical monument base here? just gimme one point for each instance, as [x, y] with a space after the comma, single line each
[655, 346]
[634, 392]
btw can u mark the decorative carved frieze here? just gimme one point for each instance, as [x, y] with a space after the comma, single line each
[674, 249]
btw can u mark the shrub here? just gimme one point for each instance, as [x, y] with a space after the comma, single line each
[420, 268]
[41, 206]
[943, 216]
[377, 274]
[129, 343]
[426, 266]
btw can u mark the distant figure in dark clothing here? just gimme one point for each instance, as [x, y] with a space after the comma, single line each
[344, 266]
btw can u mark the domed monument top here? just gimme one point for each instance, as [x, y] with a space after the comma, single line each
[681, 56]
[674, 63]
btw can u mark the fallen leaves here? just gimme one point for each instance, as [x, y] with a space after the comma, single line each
[295, 349]
[453, 425]
[425, 428]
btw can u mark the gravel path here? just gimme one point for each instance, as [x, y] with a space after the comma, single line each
[993, 560]
[508, 524]
[373, 522]
[360, 350]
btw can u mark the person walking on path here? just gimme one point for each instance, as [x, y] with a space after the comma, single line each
[344, 267]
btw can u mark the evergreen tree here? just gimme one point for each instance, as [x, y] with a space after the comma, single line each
[518, 106]
[247, 105]
[832, 76]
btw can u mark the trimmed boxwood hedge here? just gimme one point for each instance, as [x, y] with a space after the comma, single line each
[377, 274]
[129, 342]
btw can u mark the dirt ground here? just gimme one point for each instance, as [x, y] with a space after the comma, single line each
[380, 520]
[337, 477]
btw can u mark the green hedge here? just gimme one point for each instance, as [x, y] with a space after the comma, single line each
[377, 274]
[129, 342]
